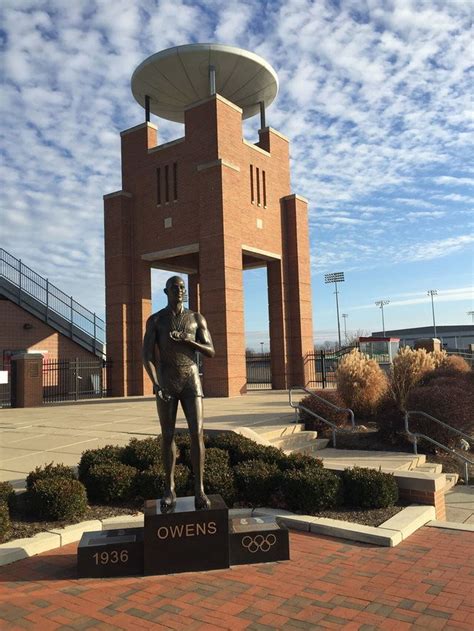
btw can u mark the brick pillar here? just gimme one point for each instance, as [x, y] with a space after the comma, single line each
[276, 312]
[27, 380]
[297, 279]
[193, 292]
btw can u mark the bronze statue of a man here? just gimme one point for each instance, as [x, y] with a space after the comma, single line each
[178, 333]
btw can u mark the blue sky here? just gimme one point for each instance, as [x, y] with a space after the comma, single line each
[374, 95]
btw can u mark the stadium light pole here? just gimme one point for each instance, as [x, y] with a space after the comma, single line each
[381, 304]
[345, 316]
[336, 277]
[433, 292]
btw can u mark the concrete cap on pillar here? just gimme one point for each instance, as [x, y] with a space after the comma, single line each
[177, 77]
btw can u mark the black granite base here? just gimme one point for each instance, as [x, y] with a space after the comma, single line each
[186, 540]
[257, 540]
[110, 553]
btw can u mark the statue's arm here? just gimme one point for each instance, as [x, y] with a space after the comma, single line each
[149, 343]
[203, 341]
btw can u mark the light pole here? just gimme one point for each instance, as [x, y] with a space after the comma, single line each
[471, 313]
[336, 277]
[381, 304]
[433, 292]
[345, 316]
[261, 347]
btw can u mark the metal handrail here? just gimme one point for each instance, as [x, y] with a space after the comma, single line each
[417, 435]
[51, 297]
[333, 426]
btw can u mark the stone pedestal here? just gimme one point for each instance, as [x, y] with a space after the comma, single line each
[257, 540]
[27, 380]
[186, 540]
[109, 553]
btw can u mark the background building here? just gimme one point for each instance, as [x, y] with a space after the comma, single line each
[453, 337]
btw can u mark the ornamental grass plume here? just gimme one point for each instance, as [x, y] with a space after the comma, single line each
[361, 382]
[408, 368]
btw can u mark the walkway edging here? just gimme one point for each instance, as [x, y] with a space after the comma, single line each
[390, 533]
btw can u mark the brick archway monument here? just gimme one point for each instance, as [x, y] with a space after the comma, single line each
[210, 205]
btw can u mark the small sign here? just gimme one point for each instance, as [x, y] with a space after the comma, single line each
[3, 376]
[108, 553]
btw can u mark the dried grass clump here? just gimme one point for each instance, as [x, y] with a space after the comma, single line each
[361, 383]
[408, 368]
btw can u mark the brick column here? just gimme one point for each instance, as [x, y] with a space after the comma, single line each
[276, 312]
[27, 380]
[193, 292]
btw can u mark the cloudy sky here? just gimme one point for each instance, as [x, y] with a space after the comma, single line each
[374, 95]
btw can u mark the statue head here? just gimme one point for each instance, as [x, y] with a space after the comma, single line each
[175, 289]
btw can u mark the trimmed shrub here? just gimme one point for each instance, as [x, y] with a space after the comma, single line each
[58, 499]
[308, 490]
[320, 408]
[150, 484]
[5, 523]
[361, 383]
[256, 481]
[110, 482]
[369, 488]
[449, 399]
[218, 475]
[300, 462]
[241, 449]
[453, 366]
[391, 421]
[408, 368]
[7, 494]
[48, 472]
[142, 453]
[103, 455]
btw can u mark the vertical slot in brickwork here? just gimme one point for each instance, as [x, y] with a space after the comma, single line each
[258, 185]
[175, 181]
[252, 194]
[158, 186]
[264, 189]
[167, 184]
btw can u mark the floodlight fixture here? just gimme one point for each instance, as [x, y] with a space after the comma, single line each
[336, 277]
[433, 292]
[381, 304]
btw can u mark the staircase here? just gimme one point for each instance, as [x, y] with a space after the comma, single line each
[45, 301]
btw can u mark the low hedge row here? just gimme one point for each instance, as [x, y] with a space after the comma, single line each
[243, 472]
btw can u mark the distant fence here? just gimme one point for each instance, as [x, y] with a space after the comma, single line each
[321, 366]
[75, 379]
[259, 371]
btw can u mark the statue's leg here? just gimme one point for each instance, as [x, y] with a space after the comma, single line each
[167, 415]
[192, 407]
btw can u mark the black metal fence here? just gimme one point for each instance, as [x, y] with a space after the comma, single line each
[259, 372]
[75, 379]
[321, 366]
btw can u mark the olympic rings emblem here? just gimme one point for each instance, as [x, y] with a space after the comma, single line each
[258, 543]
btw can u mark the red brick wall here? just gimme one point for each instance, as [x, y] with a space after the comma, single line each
[40, 337]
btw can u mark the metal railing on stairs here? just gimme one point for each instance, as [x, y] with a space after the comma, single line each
[39, 296]
[417, 435]
[334, 428]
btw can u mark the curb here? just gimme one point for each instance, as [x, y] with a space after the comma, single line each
[390, 533]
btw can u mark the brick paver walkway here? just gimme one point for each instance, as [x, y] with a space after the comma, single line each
[427, 582]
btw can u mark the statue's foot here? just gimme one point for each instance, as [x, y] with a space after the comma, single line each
[201, 501]
[168, 502]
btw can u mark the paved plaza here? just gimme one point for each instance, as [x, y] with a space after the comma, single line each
[427, 582]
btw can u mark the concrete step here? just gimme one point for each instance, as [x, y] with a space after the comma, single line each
[312, 449]
[275, 432]
[295, 441]
[430, 467]
[451, 480]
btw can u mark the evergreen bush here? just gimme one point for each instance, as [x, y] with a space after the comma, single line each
[369, 488]
[143, 453]
[310, 490]
[256, 482]
[7, 494]
[102, 455]
[150, 484]
[58, 499]
[47, 472]
[241, 449]
[300, 462]
[218, 475]
[110, 482]
[5, 523]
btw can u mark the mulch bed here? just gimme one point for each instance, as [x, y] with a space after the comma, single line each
[28, 527]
